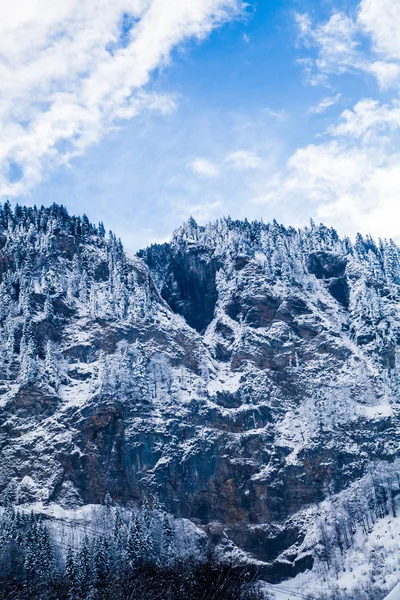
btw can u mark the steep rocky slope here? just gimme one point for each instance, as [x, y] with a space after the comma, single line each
[242, 374]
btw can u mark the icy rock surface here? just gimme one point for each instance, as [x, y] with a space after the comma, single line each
[241, 373]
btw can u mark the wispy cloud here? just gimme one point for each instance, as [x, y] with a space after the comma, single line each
[71, 70]
[339, 42]
[238, 160]
[202, 211]
[351, 179]
[243, 159]
[368, 117]
[324, 104]
[204, 167]
[280, 115]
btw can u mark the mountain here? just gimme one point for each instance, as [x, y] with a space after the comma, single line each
[245, 375]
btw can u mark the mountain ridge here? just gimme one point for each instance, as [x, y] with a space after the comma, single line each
[243, 373]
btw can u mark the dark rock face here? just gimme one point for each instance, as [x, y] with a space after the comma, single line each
[326, 265]
[271, 390]
[190, 287]
[339, 289]
[256, 310]
[331, 267]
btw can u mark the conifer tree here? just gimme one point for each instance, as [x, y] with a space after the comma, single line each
[102, 561]
[84, 568]
[135, 547]
[168, 539]
[71, 569]
[48, 308]
[29, 366]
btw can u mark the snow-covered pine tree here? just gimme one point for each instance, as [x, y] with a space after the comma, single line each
[29, 364]
[84, 568]
[168, 539]
[102, 560]
[136, 548]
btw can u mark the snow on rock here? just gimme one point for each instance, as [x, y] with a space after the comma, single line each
[243, 374]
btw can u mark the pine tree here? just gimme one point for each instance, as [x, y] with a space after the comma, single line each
[84, 568]
[29, 365]
[7, 215]
[102, 561]
[74, 277]
[32, 554]
[147, 541]
[168, 540]
[136, 549]
[70, 568]
[108, 501]
[101, 230]
[391, 262]
[48, 308]
[52, 365]
[45, 560]
[118, 532]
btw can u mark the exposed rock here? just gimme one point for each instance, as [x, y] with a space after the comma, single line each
[190, 287]
[239, 374]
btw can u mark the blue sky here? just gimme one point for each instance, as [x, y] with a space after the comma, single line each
[281, 109]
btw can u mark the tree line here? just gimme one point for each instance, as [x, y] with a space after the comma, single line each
[132, 556]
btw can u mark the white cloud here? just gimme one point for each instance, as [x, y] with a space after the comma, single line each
[325, 104]
[381, 20]
[243, 160]
[204, 167]
[359, 187]
[387, 73]
[351, 179]
[335, 40]
[203, 211]
[339, 43]
[70, 70]
[352, 187]
[368, 117]
[239, 160]
[280, 115]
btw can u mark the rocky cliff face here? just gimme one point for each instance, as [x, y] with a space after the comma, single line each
[241, 373]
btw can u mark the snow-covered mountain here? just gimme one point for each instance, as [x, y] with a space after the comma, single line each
[245, 374]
